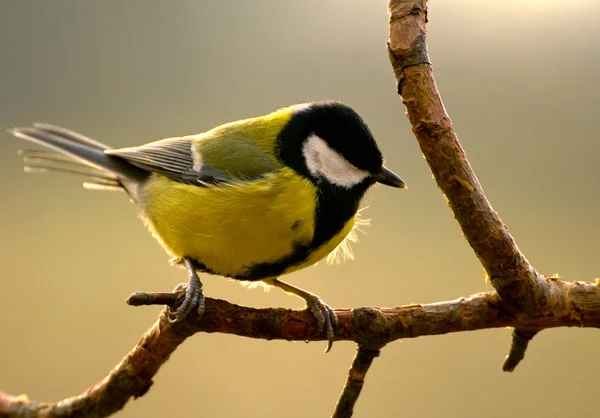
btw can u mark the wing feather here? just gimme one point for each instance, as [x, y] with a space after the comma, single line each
[204, 161]
[171, 156]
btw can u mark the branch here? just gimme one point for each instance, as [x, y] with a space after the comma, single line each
[519, 285]
[369, 327]
[356, 379]
[520, 341]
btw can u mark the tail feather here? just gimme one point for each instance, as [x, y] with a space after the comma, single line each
[73, 153]
[32, 167]
[45, 154]
[42, 161]
[103, 186]
[81, 149]
[73, 136]
[54, 158]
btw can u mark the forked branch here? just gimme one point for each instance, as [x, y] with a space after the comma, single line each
[368, 327]
[516, 281]
[525, 299]
[520, 287]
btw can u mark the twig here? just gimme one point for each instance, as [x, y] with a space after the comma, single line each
[356, 378]
[369, 327]
[520, 340]
[150, 298]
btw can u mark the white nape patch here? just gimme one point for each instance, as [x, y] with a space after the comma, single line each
[197, 159]
[300, 107]
[322, 160]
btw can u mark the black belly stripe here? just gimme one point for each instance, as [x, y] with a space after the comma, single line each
[335, 207]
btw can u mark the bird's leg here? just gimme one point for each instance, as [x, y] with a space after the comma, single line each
[193, 295]
[326, 317]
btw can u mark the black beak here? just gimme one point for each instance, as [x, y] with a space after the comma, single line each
[388, 177]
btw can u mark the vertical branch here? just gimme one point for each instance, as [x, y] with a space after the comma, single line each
[520, 287]
[356, 379]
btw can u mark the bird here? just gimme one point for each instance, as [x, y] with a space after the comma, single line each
[251, 200]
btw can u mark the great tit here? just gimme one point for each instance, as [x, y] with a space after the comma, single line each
[251, 200]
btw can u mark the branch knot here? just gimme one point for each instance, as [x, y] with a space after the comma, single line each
[372, 330]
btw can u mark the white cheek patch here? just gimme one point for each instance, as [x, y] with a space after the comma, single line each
[197, 159]
[324, 161]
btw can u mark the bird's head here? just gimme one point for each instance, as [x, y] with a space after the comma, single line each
[328, 141]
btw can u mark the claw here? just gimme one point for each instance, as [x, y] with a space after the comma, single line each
[325, 316]
[193, 297]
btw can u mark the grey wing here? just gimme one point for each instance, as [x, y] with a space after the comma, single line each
[172, 157]
[179, 159]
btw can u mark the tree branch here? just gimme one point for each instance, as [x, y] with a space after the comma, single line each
[520, 287]
[517, 282]
[356, 379]
[520, 341]
[368, 327]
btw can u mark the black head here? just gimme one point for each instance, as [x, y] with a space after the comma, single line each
[329, 141]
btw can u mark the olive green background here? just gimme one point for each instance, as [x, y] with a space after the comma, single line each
[520, 81]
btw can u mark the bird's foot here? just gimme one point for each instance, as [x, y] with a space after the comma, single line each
[325, 315]
[193, 298]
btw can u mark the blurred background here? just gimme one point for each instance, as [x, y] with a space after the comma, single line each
[519, 79]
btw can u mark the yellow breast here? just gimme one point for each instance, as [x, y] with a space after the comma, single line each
[233, 227]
